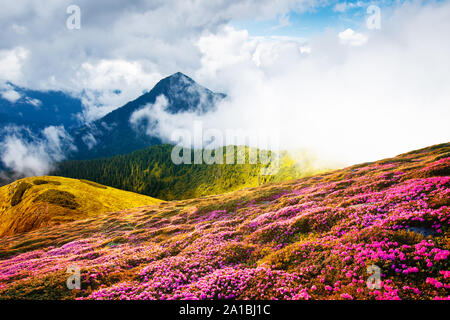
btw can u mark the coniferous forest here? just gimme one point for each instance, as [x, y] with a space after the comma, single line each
[152, 172]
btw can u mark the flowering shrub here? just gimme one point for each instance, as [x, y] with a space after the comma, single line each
[313, 238]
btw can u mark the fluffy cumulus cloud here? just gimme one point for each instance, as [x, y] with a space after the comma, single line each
[10, 94]
[353, 38]
[112, 83]
[349, 96]
[11, 61]
[121, 45]
[121, 50]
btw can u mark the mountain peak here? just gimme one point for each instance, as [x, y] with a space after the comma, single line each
[113, 133]
[184, 94]
[179, 75]
[176, 80]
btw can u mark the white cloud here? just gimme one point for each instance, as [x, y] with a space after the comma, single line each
[352, 38]
[152, 118]
[111, 84]
[7, 92]
[120, 43]
[58, 142]
[106, 74]
[11, 63]
[28, 154]
[344, 6]
[351, 103]
[231, 48]
[10, 95]
[356, 102]
[227, 48]
[89, 140]
[283, 21]
[23, 157]
[19, 29]
[340, 7]
[34, 102]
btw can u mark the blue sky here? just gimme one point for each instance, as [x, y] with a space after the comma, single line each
[337, 15]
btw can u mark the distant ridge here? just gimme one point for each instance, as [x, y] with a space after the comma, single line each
[113, 134]
[40, 108]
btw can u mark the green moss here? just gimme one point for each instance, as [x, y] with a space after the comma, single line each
[18, 194]
[60, 198]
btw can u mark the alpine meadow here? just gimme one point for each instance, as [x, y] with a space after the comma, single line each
[242, 159]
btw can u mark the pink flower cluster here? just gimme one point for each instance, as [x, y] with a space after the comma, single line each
[314, 239]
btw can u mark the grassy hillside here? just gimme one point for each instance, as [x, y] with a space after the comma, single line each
[32, 203]
[152, 172]
[312, 238]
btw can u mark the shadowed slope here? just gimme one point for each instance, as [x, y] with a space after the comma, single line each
[113, 134]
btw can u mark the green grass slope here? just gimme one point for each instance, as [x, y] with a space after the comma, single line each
[311, 238]
[152, 172]
[32, 203]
